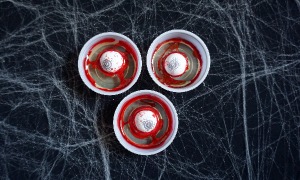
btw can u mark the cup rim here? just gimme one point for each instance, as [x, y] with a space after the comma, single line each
[137, 150]
[149, 59]
[83, 53]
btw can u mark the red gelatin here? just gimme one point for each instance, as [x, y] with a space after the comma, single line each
[150, 103]
[120, 74]
[174, 47]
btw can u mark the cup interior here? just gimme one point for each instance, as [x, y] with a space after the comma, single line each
[138, 150]
[192, 38]
[90, 43]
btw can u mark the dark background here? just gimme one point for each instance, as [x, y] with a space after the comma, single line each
[243, 122]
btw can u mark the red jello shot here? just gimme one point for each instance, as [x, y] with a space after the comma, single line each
[109, 63]
[178, 61]
[145, 122]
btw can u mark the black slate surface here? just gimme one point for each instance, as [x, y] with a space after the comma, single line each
[243, 122]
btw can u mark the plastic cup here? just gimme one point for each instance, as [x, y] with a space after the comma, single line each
[98, 69]
[193, 40]
[170, 121]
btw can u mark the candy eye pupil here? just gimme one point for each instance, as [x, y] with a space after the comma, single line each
[106, 64]
[148, 125]
[173, 64]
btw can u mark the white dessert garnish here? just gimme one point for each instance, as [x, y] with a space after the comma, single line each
[145, 120]
[175, 64]
[111, 61]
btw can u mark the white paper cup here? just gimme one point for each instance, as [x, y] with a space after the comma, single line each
[131, 147]
[193, 39]
[84, 53]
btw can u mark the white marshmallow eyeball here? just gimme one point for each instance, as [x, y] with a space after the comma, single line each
[111, 61]
[175, 64]
[145, 120]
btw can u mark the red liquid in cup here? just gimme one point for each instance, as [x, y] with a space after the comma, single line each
[191, 54]
[96, 74]
[158, 135]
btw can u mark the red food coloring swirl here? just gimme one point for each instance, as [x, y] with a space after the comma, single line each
[165, 78]
[156, 141]
[129, 51]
